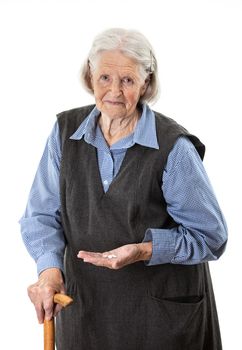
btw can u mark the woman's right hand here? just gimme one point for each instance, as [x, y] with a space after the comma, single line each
[42, 293]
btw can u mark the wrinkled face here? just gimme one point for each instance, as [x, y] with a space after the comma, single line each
[117, 84]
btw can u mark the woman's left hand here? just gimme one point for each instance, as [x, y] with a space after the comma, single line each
[119, 257]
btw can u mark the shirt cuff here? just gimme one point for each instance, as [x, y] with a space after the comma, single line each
[163, 245]
[50, 260]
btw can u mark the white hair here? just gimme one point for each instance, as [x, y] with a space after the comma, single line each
[132, 44]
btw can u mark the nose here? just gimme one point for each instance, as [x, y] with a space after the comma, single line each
[116, 88]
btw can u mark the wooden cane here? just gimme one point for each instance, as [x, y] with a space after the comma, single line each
[49, 326]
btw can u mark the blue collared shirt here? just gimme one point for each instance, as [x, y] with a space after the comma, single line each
[201, 234]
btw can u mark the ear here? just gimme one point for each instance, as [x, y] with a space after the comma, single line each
[145, 86]
[91, 80]
[90, 75]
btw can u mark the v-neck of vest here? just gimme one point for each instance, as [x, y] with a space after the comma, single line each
[129, 157]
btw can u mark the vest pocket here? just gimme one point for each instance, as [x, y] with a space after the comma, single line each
[179, 321]
[190, 299]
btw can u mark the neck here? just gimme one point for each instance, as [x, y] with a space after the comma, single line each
[117, 128]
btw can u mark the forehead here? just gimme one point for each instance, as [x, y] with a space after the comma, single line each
[117, 61]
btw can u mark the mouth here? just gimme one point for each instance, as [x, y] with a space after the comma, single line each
[114, 103]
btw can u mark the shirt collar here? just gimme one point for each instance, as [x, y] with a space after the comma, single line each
[87, 128]
[144, 133]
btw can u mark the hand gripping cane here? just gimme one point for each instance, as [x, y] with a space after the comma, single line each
[49, 326]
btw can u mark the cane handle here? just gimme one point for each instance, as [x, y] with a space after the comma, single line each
[62, 299]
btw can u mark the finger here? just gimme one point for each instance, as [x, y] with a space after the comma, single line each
[103, 262]
[93, 258]
[98, 261]
[39, 312]
[37, 303]
[83, 254]
[109, 255]
[48, 306]
[57, 309]
[32, 293]
[90, 257]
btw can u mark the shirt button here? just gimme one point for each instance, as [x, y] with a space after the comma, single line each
[105, 182]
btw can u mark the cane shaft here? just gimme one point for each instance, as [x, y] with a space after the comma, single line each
[49, 334]
[49, 326]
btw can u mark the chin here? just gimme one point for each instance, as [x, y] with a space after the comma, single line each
[117, 111]
[114, 114]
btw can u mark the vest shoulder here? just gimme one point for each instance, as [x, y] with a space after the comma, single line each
[167, 124]
[168, 131]
[78, 114]
[71, 119]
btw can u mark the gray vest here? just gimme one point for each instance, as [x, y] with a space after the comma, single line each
[138, 307]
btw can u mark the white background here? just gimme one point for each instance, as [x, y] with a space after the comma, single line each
[43, 43]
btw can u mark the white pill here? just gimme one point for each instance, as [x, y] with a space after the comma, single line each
[111, 256]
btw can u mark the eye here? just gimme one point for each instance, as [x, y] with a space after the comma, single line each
[104, 77]
[128, 81]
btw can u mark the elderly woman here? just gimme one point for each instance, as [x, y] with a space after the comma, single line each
[122, 193]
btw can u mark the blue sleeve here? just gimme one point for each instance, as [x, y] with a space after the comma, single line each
[41, 227]
[201, 232]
